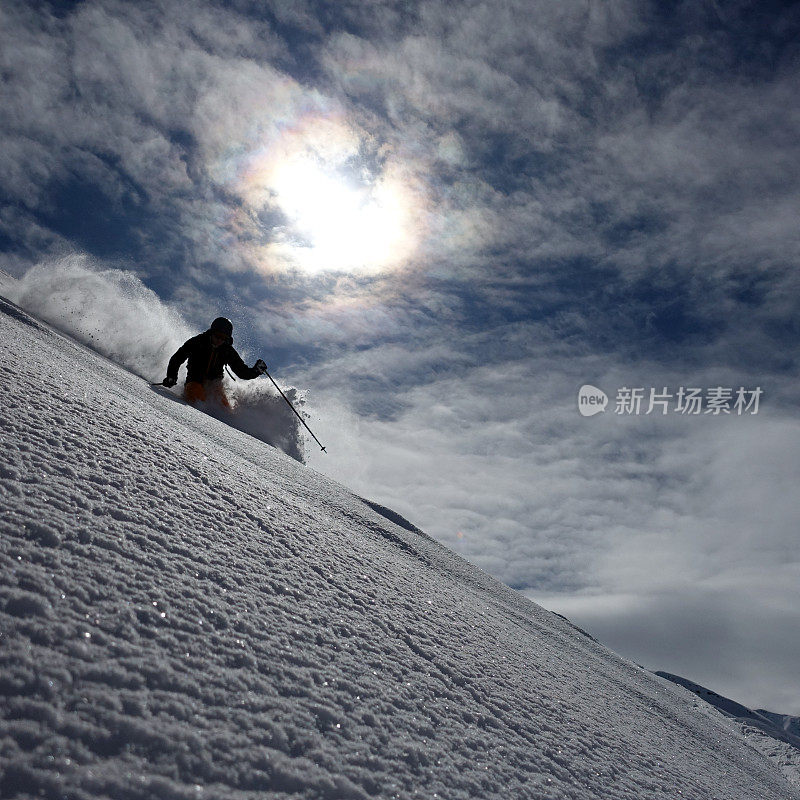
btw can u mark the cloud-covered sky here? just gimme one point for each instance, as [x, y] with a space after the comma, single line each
[442, 221]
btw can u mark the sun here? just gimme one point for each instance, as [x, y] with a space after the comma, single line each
[336, 223]
[335, 213]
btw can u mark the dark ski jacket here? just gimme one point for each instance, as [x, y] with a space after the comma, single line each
[206, 362]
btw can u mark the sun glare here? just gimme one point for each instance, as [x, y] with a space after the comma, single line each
[336, 225]
[331, 220]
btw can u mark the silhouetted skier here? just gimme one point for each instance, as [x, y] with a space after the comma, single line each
[208, 353]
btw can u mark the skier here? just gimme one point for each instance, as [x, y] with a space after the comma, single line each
[208, 352]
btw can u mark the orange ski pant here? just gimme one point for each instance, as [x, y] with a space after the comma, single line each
[195, 392]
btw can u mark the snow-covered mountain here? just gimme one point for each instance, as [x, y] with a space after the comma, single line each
[186, 612]
[777, 735]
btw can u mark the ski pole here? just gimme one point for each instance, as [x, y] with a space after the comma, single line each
[264, 372]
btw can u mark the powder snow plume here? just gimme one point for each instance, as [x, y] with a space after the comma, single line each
[114, 313]
[109, 310]
[261, 412]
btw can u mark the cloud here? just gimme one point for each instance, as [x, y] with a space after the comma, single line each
[736, 635]
[120, 98]
[681, 518]
[538, 143]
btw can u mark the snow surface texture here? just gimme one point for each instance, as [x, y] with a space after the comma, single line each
[114, 313]
[187, 612]
[776, 735]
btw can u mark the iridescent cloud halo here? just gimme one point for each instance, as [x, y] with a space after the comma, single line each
[318, 197]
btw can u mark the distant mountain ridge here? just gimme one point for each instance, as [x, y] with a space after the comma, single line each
[776, 735]
[784, 727]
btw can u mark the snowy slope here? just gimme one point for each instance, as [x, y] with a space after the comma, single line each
[777, 735]
[186, 612]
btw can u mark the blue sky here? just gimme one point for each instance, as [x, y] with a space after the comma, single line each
[567, 193]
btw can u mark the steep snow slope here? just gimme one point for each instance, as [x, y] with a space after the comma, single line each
[186, 612]
[777, 735]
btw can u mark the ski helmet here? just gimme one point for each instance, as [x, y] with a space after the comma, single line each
[222, 325]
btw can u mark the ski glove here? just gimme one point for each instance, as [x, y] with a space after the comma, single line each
[169, 381]
[260, 366]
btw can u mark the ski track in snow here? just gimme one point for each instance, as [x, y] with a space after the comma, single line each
[186, 612]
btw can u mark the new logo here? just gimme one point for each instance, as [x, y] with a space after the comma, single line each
[591, 400]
